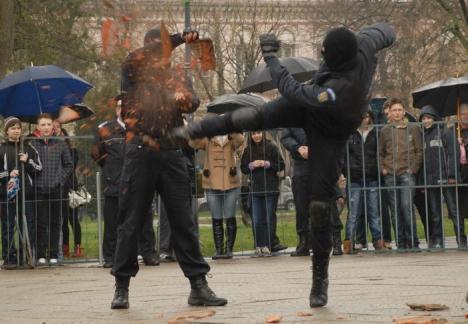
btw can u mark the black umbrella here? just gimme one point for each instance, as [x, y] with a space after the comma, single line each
[233, 101]
[445, 95]
[259, 80]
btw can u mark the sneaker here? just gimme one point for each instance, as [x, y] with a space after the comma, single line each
[278, 247]
[9, 265]
[265, 251]
[388, 245]
[258, 252]
[53, 262]
[41, 261]
[164, 257]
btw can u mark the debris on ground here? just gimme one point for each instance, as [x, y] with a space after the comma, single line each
[428, 307]
[422, 319]
[193, 315]
[304, 314]
[273, 319]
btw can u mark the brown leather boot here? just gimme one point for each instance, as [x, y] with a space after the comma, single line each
[347, 247]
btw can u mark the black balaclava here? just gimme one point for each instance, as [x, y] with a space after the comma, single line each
[339, 47]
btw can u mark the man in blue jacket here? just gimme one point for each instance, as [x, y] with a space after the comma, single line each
[329, 109]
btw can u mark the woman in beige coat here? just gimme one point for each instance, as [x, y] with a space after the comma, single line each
[221, 181]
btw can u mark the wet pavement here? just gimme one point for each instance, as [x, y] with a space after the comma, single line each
[364, 288]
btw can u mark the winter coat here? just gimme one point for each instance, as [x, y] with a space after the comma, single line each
[149, 106]
[9, 160]
[292, 139]
[351, 84]
[362, 151]
[108, 151]
[401, 149]
[263, 180]
[220, 167]
[441, 156]
[57, 164]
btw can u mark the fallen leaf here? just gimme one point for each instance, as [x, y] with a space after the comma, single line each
[427, 307]
[466, 315]
[424, 319]
[340, 317]
[304, 314]
[194, 315]
[273, 319]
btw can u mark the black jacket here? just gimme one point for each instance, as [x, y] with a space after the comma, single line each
[292, 139]
[108, 152]
[359, 152]
[441, 156]
[263, 181]
[351, 85]
[9, 160]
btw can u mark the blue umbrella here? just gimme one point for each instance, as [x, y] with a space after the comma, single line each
[40, 89]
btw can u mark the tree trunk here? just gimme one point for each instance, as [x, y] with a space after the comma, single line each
[7, 23]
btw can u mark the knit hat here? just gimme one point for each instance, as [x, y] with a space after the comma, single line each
[339, 47]
[10, 121]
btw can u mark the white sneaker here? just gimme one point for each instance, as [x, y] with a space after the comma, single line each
[258, 252]
[265, 251]
[41, 261]
[53, 262]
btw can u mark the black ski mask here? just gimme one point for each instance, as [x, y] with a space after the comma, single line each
[339, 48]
[152, 35]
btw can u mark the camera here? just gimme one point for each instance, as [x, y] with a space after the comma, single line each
[206, 173]
[233, 171]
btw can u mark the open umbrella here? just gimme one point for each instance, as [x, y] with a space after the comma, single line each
[259, 80]
[40, 89]
[445, 95]
[233, 101]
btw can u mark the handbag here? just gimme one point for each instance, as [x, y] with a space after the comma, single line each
[79, 197]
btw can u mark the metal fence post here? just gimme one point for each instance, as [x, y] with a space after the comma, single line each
[99, 214]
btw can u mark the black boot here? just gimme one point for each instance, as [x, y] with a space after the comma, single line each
[302, 248]
[202, 295]
[319, 292]
[337, 244]
[231, 231]
[120, 300]
[218, 236]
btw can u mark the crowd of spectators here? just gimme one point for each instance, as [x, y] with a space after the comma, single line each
[391, 170]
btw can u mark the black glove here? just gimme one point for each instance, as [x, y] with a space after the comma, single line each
[269, 44]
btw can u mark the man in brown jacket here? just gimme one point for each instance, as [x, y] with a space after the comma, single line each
[400, 159]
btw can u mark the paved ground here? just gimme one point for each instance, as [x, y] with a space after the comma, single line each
[367, 288]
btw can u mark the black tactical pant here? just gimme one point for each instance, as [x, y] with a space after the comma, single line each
[144, 172]
[326, 147]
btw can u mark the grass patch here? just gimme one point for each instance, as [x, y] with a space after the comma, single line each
[286, 230]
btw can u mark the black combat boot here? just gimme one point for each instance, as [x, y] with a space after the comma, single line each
[337, 243]
[319, 292]
[120, 300]
[231, 231]
[302, 248]
[202, 295]
[218, 237]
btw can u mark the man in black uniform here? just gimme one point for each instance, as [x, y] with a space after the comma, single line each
[295, 141]
[329, 109]
[108, 152]
[155, 98]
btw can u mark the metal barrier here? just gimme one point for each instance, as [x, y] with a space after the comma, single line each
[385, 203]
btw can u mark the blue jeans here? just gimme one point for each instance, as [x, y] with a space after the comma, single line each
[400, 201]
[263, 211]
[222, 203]
[356, 209]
